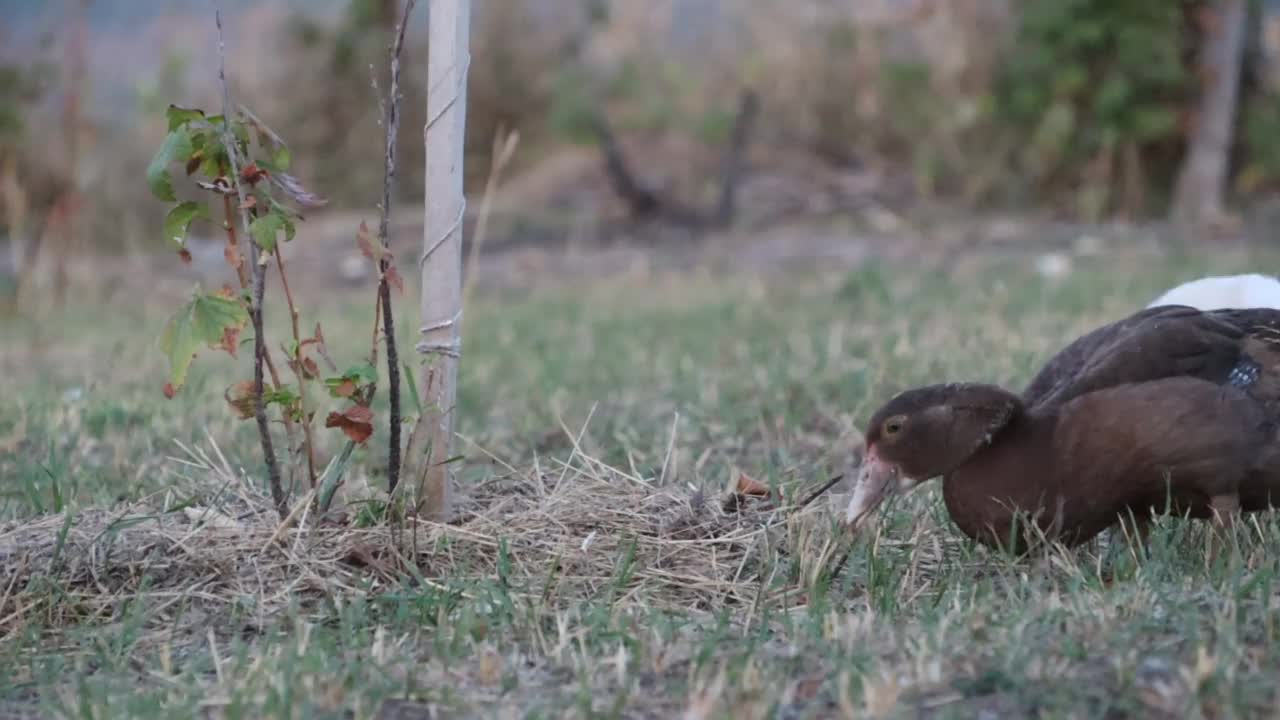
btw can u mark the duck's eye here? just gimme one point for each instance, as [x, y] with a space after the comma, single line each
[893, 425]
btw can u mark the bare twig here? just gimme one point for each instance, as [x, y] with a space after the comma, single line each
[259, 284]
[840, 564]
[232, 251]
[298, 369]
[818, 493]
[392, 113]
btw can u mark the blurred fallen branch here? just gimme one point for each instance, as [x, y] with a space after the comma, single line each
[646, 203]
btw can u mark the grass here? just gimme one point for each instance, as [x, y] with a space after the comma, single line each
[595, 573]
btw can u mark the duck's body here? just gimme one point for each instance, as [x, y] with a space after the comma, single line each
[1250, 290]
[1171, 408]
[1105, 456]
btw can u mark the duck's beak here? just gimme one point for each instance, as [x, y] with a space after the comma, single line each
[876, 481]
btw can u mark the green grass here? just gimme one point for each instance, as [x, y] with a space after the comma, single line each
[772, 376]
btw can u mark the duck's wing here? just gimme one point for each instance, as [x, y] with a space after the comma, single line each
[1258, 369]
[1062, 368]
[1160, 342]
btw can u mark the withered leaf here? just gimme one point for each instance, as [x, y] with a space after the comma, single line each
[393, 277]
[368, 247]
[241, 399]
[252, 174]
[230, 340]
[356, 422]
[318, 340]
[345, 389]
[185, 255]
[748, 485]
[220, 186]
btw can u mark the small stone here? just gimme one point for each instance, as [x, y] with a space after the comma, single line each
[1053, 265]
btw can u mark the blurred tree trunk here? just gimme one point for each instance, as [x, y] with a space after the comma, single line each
[1198, 194]
[14, 201]
[431, 445]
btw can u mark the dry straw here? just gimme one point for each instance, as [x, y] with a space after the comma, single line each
[568, 533]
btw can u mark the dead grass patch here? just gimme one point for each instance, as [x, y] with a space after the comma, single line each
[583, 532]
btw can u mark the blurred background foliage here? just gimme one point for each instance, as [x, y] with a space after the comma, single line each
[1080, 107]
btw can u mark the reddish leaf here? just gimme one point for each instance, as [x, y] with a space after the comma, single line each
[250, 202]
[393, 277]
[345, 389]
[169, 390]
[227, 292]
[356, 422]
[230, 340]
[365, 241]
[748, 485]
[241, 398]
[252, 173]
[318, 340]
[185, 255]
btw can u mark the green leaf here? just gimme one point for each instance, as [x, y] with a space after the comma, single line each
[265, 229]
[364, 373]
[210, 320]
[175, 148]
[282, 158]
[179, 116]
[179, 220]
[355, 377]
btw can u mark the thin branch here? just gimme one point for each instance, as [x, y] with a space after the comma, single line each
[298, 369]
[384, 287]
[257, 122]
[818, 493]
[259, 284]
[232, 251]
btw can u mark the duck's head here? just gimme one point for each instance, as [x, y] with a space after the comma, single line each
[922, 434]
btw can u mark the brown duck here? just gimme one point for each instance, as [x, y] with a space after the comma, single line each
[1171, 409]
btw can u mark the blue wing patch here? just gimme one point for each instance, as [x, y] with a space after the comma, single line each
[1244, 374]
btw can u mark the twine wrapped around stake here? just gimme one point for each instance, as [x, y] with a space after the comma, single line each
[448, 62]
